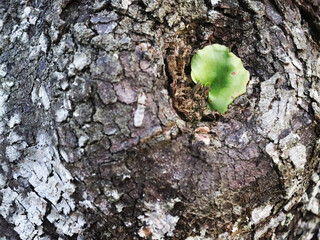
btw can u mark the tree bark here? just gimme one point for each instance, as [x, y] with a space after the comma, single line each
[104, 137]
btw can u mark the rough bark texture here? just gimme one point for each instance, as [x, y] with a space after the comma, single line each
[103, 137]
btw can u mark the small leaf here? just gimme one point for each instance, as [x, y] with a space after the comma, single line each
[223, 72]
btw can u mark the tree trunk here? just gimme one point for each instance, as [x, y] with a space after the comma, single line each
[103, 137]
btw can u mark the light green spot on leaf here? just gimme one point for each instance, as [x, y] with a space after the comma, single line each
[223, 72]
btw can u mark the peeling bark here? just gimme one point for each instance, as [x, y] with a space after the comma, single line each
[104, 137]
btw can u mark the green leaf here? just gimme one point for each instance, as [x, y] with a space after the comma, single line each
[223, 72]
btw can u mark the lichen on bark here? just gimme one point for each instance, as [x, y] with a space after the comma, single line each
[95, 143]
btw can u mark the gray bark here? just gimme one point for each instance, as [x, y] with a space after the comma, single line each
[102, 136]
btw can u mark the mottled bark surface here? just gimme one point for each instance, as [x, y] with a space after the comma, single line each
[103, 137]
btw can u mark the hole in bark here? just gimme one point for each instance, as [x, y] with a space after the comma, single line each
[189, 100]
[182, 45]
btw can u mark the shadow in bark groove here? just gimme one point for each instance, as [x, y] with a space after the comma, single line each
[7, 231]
